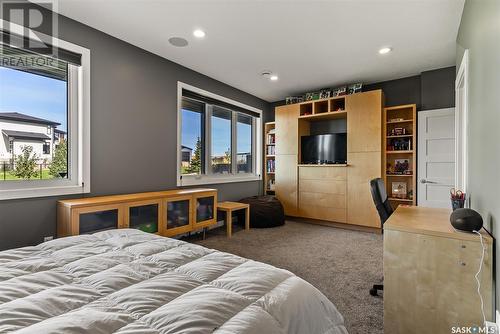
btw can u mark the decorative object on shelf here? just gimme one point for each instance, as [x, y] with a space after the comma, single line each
[324, 93]
[402, 166]
[312, 96]
[294, 99]
[398, 132]
[410, 194]
[399, 190]
[389, 168]
[339, 91]
[457, 199]
[399, 144]
[272, 185]
[354, 88]
[399, 119]
[466, 220]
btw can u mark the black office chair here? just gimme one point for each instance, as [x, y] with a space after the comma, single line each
[384, 209]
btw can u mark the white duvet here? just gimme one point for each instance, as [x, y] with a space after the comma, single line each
[127, 281]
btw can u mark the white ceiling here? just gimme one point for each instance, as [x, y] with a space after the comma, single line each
[310, 44]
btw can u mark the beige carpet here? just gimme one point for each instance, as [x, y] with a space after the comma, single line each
[342, 264]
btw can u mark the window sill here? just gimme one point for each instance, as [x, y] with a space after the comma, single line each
[42, 192]
[189, 180]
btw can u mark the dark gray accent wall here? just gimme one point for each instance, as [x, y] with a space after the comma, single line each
[399, 91]
[438, 89]
[133, 130]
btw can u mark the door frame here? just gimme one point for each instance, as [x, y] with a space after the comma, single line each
[461, 123]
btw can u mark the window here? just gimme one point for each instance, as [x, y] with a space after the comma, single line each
[218, 139]
[244, 131]
[39, 95]
[46, 150]
[186, 156]
[221, 141]
[193, 125]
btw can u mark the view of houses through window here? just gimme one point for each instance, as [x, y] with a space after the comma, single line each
[229, 133]
[33, 126]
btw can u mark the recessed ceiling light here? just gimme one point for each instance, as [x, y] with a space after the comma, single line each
[269, 75]
[198, 33]
[385, 50]
[178, 42]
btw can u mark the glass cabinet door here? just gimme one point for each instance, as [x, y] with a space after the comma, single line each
[96, 221]
[178, 215]
[205, 210]
[144, 217]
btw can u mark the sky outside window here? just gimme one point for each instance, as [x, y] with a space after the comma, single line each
[33, 95]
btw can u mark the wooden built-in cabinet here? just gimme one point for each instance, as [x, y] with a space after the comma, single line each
[270, 157]
[363, 167]
[322, 192]
[336, 193]
[287, 143]
[364, 122]
[165, 213]
[286, 182]
[287, 140]
[400, 138]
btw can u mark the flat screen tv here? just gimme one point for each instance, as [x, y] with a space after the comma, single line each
[324, 149]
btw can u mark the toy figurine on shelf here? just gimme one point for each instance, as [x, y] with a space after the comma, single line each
[390, 170]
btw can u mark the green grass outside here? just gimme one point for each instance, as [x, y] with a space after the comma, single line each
[9, 176]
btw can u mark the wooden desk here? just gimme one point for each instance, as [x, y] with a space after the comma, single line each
[429, 268]
[229, 207]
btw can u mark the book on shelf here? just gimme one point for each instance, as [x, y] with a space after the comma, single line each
[270, 166]
[271, 150]
[270, 139]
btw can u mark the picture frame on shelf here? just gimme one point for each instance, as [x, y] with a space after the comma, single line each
[399, 190]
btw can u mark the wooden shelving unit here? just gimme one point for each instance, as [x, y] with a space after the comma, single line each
[399, 152]
[270, 157]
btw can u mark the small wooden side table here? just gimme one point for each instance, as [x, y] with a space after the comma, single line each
[228, 208]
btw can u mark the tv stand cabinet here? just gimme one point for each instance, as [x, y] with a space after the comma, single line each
[331, 193]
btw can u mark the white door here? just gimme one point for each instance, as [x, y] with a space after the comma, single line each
[436, 157]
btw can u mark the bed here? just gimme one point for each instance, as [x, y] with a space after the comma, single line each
[127, 281]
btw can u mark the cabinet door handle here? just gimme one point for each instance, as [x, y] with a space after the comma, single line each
[424, 181]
